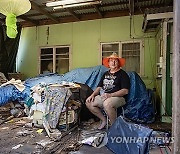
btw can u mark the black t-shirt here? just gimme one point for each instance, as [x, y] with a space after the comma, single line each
[112, 82]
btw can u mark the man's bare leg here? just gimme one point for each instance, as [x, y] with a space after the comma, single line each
[110, 110]
[96, 111]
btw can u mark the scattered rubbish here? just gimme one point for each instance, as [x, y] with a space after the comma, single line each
[9, 118]
[73, 147]
[88, 140]
[24, 133]
[16, 127]
[31, 125]
[3, 128]
[17, 112]
[39, 131]
[159, 138]
[37, 112]
[55, 134]
[95, 138]
[10, 121]
[100, 141]
[17, 146]
[47, 127]
[44, 142]
[90, 125]
[20, 123]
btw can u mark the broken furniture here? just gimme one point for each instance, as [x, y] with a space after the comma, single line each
[53, 107]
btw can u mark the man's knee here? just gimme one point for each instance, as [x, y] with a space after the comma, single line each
[107, 104]
[88, 104]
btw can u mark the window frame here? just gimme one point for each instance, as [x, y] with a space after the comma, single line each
[141, 73]
[54, 56]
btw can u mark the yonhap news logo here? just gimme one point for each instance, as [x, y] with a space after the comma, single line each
[159, 140]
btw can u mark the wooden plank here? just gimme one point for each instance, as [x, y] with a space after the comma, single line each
[176, 78]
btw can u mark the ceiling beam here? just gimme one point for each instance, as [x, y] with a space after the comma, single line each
[39, 9]
[29, 20]
[98, 11]
[73, 14]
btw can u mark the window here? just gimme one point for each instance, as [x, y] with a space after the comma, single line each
[54, 59]
[131, 51]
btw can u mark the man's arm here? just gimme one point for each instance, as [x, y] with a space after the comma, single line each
[96, 92]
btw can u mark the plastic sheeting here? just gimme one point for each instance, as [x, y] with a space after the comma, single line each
[11, 93]
[138, 108]
[128, 138]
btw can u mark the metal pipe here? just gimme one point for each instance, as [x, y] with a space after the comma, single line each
[176, 78]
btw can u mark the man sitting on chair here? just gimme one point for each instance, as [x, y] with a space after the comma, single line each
[111, 90]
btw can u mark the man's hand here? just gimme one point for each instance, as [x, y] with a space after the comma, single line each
[95, 93]
[90, 99]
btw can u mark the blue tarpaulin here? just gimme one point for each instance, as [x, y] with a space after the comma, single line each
[128, 138]
[139, 106]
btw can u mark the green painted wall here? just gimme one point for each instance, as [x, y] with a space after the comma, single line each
[27, 59]
[84, 38]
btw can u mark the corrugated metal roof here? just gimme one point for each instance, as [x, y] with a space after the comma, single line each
[113, 8]
[38, 17]
[39, 10]
[113, 1]
[31, 12]
[85, 11]
[41, 2]
[62, 14]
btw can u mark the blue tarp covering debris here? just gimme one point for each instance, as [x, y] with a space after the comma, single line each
[11, 93]
[127, 138]
[138, 108]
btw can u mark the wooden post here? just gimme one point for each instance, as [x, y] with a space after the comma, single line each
[176, 78]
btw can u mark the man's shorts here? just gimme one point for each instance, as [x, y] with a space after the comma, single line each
[115, 101]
